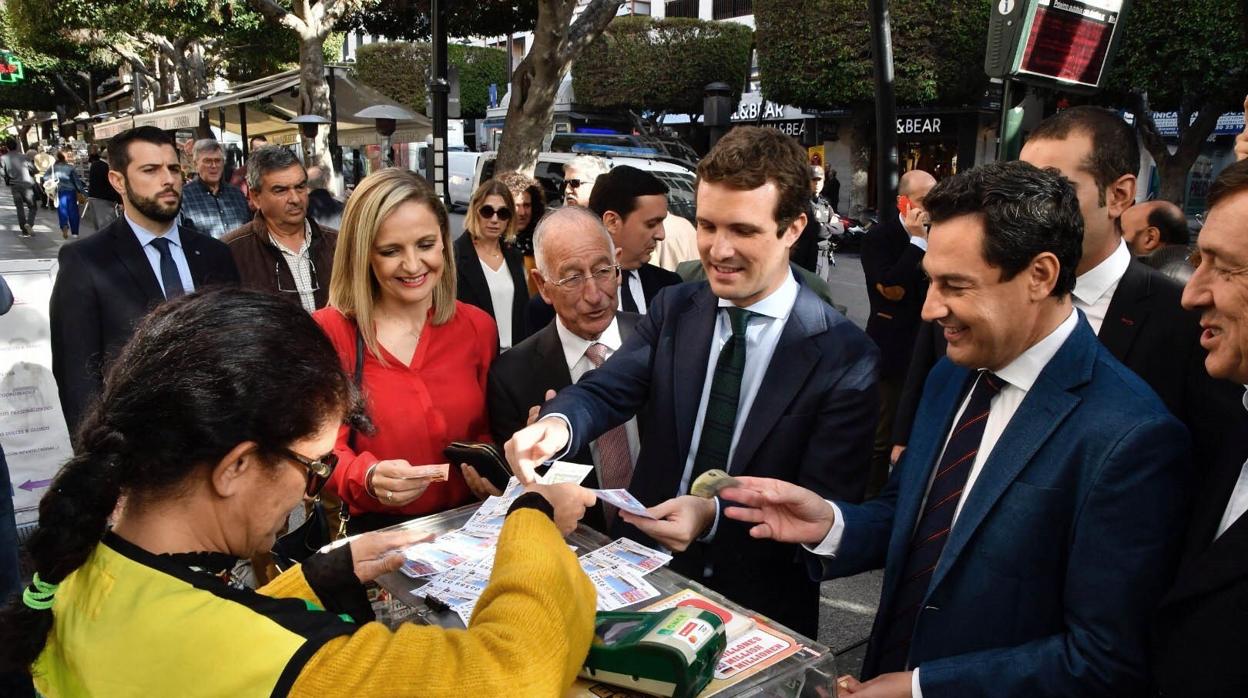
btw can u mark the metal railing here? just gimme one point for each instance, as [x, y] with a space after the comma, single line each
[723, 9]
[682, 8]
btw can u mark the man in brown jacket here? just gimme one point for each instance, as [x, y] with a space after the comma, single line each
[282, 250]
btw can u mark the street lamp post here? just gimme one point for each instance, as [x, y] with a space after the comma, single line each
[439, 91]
[885, 110]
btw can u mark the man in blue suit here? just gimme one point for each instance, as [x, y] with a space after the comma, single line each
[1030, 529]
[749, 372]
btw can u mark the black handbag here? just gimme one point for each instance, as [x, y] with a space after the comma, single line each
[317, 531]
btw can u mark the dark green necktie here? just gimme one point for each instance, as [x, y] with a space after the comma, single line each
[721, 405]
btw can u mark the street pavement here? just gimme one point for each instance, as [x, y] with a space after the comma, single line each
[847, 606]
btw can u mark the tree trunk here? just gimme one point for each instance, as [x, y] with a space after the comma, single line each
[557, 42]
[314, 98]
[1172, 167]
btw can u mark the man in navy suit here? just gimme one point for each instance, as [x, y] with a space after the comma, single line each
[749, 372]
[1030, 528]
[109, 281]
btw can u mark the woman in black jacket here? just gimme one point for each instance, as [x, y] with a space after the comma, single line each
[491, 272]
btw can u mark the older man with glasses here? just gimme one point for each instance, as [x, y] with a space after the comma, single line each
[210, 205]
[283, 250]
[577, 274]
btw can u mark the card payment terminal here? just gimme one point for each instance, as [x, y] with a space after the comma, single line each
[664, 653]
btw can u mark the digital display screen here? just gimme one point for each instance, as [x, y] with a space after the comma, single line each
[1069, 40]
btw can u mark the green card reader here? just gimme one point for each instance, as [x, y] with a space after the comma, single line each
[665, 653]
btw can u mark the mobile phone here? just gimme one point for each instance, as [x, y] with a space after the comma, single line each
[904, 205]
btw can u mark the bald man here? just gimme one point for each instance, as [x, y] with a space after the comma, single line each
[892, 256]
[1156, 232]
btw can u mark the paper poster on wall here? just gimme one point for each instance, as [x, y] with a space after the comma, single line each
[32, 426]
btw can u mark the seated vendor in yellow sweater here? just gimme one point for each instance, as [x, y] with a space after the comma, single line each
[211, 428]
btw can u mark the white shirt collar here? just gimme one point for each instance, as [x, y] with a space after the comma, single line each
[146, 236]
[574, 346]
[778, 304]
[307, 240]
[1091, 285]
[1023, 371]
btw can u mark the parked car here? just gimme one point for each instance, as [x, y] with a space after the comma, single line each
[549, 173]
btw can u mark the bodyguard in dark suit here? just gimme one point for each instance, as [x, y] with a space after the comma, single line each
[1133, 309]
[632, 204]
[580, 278]
[892, 258]
[750, 373]
[1201, 623]
[107, 282]
[1028, 531]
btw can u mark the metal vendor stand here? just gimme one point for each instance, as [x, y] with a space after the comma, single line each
[810, 672]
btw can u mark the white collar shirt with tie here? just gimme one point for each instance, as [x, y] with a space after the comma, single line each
[574, 353]
[631, 281]
[174, 236]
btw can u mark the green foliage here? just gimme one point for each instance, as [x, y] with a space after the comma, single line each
[398, 70]
[409, 19]
[817, 53]
[661, 65]
[1190, 51]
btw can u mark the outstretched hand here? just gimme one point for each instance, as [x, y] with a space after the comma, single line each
[375, 554]
[781, 510]
[534, 445]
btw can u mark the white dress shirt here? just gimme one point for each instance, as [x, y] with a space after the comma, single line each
[574, 349]
[1018, 376]
[502, 293]
[1094, 288]
[633, 279]
[300, 264]
[1238, 504]
[145, 238]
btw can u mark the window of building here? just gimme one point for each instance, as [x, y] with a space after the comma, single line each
[682, 8]
[724, 9]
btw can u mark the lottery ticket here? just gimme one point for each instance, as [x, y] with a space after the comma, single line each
[620, 587]
[624, 501]
[563, 471]
[631, 554]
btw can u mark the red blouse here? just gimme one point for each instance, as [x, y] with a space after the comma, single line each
[418, 409]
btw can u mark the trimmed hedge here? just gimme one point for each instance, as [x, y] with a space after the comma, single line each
[645, 64]
[816, 54]
[397, 69]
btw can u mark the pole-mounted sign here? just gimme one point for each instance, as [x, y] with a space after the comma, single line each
[10, 67]
[1067, 44]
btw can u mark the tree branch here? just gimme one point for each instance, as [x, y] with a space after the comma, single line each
[592, 21]
[278, 15]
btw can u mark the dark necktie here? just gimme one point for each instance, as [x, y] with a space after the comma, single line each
[721, 405]
[935, 522]
[630, 303]
[169, 277]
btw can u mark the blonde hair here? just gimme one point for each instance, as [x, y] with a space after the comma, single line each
[488, 188]
[353, 290]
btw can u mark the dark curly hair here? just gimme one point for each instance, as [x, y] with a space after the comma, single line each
[202, 374]
[1026, 211]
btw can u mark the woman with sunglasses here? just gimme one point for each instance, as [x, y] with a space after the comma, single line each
[219, 416]
[426, 355]
[491, 272]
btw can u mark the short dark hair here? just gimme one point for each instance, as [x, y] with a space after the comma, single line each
[750, 156]
[618, 190]
[1025, 210]
[1170, 221]
[1115, 150]
[119, 146]
[1231, 181]
[270, 158]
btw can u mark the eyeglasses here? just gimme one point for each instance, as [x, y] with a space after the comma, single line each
[574, 183]
[316, 284]
[319, 470]
[600, 276]
[487, 212]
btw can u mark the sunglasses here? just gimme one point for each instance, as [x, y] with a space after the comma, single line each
[487, 212]
[319, 470]
[574, 183]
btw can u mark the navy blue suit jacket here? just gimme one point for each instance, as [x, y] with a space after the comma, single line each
[812, 423]
[1063, 546]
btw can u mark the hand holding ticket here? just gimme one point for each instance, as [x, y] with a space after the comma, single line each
[624, 501]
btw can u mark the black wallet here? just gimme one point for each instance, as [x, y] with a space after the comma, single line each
[487, 459]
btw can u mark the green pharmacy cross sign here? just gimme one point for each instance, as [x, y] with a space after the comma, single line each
[10, 68]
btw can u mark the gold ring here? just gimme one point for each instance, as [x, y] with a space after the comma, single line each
[389, 496]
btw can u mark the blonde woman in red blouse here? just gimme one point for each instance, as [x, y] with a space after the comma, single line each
[426, 355]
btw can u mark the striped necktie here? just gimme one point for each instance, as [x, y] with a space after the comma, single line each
[935, 523]
[721, 406]
[615, 461]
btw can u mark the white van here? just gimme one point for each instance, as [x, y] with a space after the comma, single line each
[461, 168]
[549, 173]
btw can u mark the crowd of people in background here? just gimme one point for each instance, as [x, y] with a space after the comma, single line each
[1035, 436]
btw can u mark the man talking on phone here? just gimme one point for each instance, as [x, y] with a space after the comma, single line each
[892, 258]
